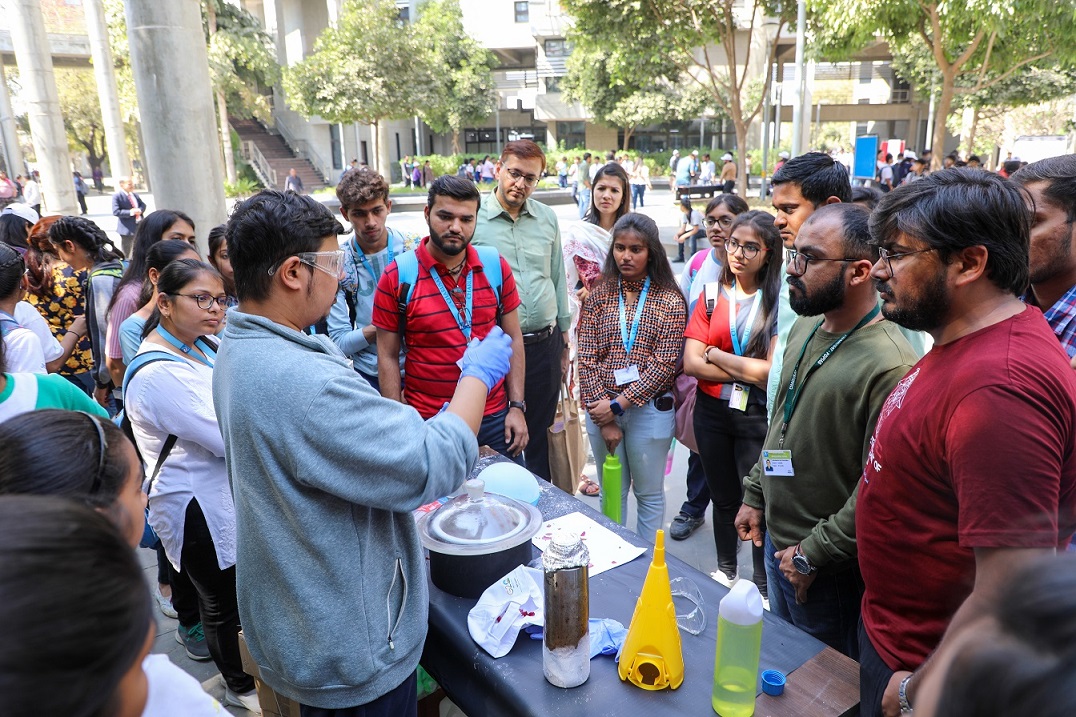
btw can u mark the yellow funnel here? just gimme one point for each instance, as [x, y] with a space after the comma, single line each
[652, 657]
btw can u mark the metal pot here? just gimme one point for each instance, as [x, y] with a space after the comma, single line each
[476, 539]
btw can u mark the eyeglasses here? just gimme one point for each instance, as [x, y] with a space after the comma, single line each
[331, 262]
[800, 261]
[205, 301]
[749, 251]
[529, 179]
[888, 257]
[723, 222]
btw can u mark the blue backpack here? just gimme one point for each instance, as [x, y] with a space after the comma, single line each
[407, 268]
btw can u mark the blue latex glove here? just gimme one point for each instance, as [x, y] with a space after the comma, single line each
[488, 360]
[606, 635]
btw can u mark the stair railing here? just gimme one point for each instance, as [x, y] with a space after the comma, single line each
[261, 165]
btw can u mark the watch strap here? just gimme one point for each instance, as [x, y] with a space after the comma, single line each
[521, 405]
[902, 695]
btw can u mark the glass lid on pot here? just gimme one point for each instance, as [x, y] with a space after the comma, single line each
[479, 522]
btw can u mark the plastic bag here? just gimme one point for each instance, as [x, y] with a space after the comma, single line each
[506, 607]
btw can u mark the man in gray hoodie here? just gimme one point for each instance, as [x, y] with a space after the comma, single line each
[330, 573]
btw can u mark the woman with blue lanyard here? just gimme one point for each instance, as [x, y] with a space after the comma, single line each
[629, 343]
[169, 400]
[729, 350]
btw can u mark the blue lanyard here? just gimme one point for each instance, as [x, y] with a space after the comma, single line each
[361, 255]
[629, 339]
[463, 319]
[188, 351]
[734, 307]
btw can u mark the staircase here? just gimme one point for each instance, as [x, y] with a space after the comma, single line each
[273, 158]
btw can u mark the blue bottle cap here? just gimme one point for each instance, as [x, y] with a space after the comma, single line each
[773, 682]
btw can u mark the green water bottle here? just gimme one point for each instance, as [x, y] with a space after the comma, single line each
[612, 477]
[739, 643]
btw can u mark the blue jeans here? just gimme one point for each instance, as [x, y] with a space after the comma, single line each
[491, 433]
[584, 201]
[637, 192]
[562, 179]
[698, 493]
[831, 612]
[648, 434]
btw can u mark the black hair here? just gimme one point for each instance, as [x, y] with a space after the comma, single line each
[149, 232]
[735, 203]
[12, 268]
[3, 358]
[216, 241]
[610, 169]
[1012, 166]
[14, 230]
[855, 228]
[657, 262]
[685, 203]
[74, 605]
[171, 281]
[769, 281]
[975, 158]
[268, 228]
[54, 452]
[1059, 173]
[867, 196]
[158, 257]
[458, 188]
[818, 175]
[953, 209]
[84, 233]
[1026, 669]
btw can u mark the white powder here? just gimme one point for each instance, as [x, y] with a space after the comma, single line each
[567, 666]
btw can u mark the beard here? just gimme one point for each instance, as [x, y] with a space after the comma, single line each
[827, 298]
[1057, 249]
[926, 311]
[450, 250]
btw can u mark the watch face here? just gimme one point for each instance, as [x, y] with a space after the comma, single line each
[802, 564]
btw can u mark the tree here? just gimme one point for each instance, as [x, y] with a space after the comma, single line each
[82, 113]
[690, 34]
[366, 69]
[463, 70]
[242, 62]
[972, 46]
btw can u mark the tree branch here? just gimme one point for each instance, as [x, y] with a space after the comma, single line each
[1003, 76]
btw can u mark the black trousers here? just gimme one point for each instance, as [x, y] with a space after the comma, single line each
[541, 391]
[184, 596]
[874, 676]
[400, 702]
[698, 493]
[730, 442]
[217, 602]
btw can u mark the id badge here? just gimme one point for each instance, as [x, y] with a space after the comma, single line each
[738, 399]
[627, 375]
[777, 463]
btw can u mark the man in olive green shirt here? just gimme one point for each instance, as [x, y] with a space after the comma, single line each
[800, 497]
[527, 235]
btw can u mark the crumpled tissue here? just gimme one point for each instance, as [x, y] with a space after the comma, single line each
[506, 607]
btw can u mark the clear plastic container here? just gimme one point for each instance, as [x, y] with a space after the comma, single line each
[739, 644]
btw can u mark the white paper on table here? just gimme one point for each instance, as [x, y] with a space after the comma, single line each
[607, 549]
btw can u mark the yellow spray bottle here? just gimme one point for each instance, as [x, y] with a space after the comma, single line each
[652, 657]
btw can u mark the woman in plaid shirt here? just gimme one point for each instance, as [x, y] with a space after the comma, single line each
[630, 338]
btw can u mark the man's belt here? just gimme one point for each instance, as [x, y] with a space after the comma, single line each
[540, 335]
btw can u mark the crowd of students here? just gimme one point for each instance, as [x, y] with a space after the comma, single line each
[465, 337]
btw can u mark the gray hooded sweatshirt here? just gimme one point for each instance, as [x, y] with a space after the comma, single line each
[330, 572]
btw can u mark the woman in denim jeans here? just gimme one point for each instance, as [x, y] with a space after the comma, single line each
[629, 335]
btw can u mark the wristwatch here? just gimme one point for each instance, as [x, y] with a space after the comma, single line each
[902, 696]
[521, 405]
[616, 408]
[801, 563]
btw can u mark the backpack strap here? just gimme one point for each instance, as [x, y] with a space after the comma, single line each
[8, 323]
[711, 292]
[491, 267]
[407, 274]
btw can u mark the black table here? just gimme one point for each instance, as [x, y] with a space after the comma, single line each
[821, 681]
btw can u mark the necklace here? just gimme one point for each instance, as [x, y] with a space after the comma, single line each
[455, 271]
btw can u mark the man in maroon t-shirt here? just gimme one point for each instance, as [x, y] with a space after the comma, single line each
[452, 302]
[971, 469]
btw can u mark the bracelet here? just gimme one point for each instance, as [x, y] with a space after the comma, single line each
[902, 695]
[706, 354]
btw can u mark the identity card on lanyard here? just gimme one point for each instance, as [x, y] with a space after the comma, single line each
[740, 391]
[624, 376]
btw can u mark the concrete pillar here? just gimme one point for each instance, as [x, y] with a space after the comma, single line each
[34, 58]
[8, 137]
[118, 160]
[175, 99]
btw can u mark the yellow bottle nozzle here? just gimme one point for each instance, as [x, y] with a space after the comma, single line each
[652, 657]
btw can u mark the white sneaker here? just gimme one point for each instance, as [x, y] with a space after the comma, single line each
[723, 579]
[165, 604]
[766, 604]
[246, 700]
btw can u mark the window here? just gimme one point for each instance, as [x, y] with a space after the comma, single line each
[556, 48]
[523, 12]
[552, 84]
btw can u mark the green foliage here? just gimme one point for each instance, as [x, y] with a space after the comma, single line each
[242, 60]
[366, 69]
[242, 188]
[464, 91]
[81, 112]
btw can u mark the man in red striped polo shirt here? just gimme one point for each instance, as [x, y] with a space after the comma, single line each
[450, 301]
